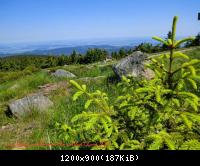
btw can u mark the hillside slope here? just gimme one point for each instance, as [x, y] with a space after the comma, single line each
[39, 128]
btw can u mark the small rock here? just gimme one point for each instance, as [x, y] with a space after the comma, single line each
[48, 88]
[27, 104]
[63, 73]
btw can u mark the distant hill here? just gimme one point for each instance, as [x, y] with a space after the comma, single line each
[79, 49]
[67, 50]
[2, 54]
[67, 46]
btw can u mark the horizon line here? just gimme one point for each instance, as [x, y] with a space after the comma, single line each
[83, 39]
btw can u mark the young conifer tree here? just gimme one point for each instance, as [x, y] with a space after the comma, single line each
[172, 44]
[162, 113]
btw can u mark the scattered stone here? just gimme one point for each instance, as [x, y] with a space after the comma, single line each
[133, 65]
[63, 73]
[37, 102]
[48, 88]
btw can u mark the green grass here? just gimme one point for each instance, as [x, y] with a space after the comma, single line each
[93, 70]
[195, 54]
[18, 88]
[37, 128]
[64, 108]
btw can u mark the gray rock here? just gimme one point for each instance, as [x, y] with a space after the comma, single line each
[63, 73]
[133, 65]
[29, 103]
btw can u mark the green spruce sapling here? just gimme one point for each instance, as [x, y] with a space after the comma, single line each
[162, 113]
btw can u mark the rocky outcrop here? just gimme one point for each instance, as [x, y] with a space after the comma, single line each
[133, 65]
[37, 102]
[63, 73]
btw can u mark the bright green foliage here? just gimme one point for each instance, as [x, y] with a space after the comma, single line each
[191, 145]
[162, 113]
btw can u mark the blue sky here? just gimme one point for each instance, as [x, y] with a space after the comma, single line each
[46, 20]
